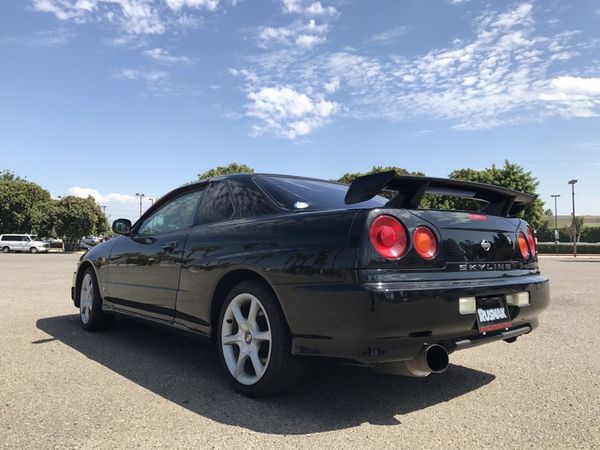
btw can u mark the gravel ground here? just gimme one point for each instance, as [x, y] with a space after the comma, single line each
[141, 387]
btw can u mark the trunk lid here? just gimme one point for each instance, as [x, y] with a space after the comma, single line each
[474, 238]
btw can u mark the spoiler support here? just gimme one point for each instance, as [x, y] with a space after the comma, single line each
[411, 189]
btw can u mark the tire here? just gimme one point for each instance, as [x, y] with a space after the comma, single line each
[90, 304]
[243, 348]
[5, 249]
[33, 250]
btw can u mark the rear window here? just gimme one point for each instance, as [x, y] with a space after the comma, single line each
[302, 194]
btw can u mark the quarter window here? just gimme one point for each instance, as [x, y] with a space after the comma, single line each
[176, 215]
[216, 204]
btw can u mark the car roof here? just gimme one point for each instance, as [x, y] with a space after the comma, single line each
[248, 176]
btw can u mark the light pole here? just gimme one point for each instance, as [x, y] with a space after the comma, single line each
[572, 183]
[141, 196]
[555, 196]
[151, 200]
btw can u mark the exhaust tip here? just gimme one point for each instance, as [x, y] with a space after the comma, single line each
[437, 358]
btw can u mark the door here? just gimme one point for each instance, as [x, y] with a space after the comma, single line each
[143, 271]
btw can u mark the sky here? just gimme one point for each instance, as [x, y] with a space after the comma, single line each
[114, 97]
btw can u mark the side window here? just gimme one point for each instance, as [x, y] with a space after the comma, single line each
[216, 204]
[178, 214]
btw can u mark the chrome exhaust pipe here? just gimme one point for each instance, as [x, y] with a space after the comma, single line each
[433, 358]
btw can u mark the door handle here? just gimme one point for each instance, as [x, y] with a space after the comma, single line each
[169, 246]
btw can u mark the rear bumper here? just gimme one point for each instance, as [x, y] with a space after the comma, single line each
[373, 323]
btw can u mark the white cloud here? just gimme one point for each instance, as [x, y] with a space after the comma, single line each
[304, 35]
[41, 39]
[389, 36]
[573, 96]
[137, 17]
[162, 55]
[287, 113]
[332, 86]
[503, 74]
[78, 191]
[309, 40]
[176, 5]
[307, 8]
[578, 85]
[141, 74]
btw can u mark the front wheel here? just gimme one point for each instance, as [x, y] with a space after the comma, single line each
[90, 304]
[255, 344]
[33, 250]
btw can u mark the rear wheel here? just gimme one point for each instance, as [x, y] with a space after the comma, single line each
[5, 249]
[255, 344]
[90, 304]
[33, 250]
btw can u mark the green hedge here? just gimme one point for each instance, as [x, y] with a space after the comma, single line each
[588, 234]
[584, 248]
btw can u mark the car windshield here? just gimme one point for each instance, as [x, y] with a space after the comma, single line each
[302, 194]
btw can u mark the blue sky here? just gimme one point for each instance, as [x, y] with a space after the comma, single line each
[113, 97]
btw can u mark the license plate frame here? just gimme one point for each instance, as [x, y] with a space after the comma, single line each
[492, 313]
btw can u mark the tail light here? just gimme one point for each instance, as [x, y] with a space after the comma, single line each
[523, 246]
[388, 237]
[531, 242]
[425, 243]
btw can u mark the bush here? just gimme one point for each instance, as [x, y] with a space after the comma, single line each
[590, 234]
[567, 248]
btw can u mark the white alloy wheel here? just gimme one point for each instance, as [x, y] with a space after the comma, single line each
[86, 298]
[246, 338]
[33, 250]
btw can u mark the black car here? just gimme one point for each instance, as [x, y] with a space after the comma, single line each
[275, 269]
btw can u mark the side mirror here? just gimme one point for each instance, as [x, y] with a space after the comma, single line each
[122, 226]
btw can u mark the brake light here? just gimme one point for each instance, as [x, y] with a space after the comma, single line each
[478, 217]
[388, 237]
[531, 242]
[425, 243]
[523, 246]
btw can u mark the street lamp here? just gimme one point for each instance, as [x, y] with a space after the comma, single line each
[151, 200]
[572, 183]
[141, 196]
[555, 196]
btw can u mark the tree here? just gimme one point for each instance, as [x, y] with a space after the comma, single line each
[511, 176]
[76, 217]
[23, 204]
[225, 170]
[575, 233]
[548, 213]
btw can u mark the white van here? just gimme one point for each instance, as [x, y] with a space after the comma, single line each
[22, 243]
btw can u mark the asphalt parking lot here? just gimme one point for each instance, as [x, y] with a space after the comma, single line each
[140, 387]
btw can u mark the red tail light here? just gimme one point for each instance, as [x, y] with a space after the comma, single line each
[388, 236]
[531, 242]
[523, 246]
[425, 243]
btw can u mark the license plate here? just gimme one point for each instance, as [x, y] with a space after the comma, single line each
[492, 313]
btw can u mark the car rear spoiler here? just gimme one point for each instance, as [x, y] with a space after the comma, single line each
[411, 189]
